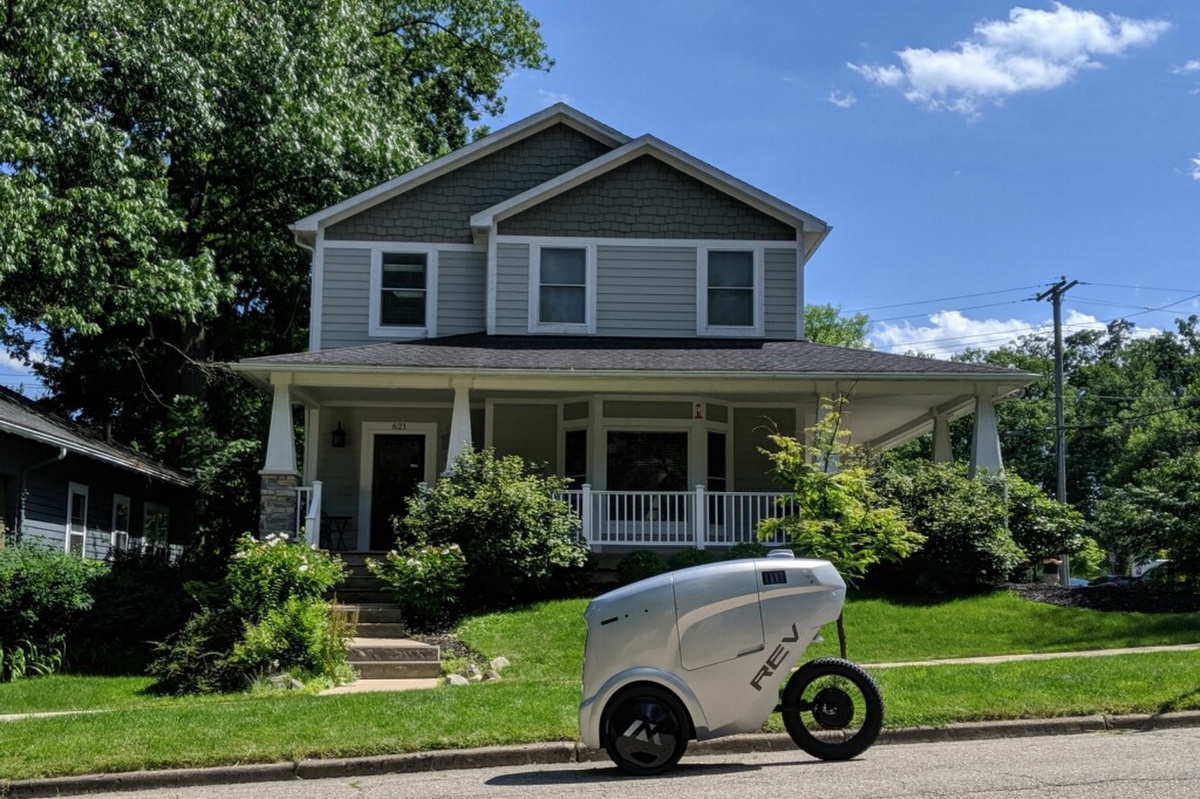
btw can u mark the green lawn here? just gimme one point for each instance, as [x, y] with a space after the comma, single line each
[537, 699]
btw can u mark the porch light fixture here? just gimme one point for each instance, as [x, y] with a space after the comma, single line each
[338, 437]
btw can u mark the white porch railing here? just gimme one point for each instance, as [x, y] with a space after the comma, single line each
[698, 518]
[308, 512]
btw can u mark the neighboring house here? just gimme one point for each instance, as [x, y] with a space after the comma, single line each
[611, 307]
[69, 489]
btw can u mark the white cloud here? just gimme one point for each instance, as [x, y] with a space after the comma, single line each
[1195, 170]
[950, 332]
[947, 333]
[842, 99]
[1184, 69]
[549, 98]
[1032, 51]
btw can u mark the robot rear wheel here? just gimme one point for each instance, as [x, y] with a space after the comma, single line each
[832, 709]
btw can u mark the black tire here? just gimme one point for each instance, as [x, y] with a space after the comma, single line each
[645, 730]
[832, 709]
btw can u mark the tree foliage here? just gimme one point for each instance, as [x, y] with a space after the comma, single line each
[837, 515]
[153, 152]
[825, 324]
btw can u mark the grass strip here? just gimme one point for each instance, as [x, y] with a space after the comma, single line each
[275, 729]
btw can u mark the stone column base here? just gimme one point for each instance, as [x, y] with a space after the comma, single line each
[277, 503]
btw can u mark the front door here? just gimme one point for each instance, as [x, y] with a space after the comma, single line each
[399, 466]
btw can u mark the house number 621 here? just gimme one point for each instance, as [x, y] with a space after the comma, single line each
[399, 425]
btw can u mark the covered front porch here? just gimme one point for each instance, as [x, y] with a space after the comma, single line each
[661, 440]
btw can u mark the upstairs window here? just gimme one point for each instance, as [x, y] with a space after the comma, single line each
[732, 298]
[403, 292]
[562, 290]
[404, 285]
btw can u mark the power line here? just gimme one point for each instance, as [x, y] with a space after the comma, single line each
[942, 299]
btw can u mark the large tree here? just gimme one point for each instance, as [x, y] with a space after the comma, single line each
[152, 153]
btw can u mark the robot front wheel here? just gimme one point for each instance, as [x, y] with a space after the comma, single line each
[645, 730]
[832, 709]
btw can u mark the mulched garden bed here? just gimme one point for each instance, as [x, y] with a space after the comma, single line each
[1140, 600]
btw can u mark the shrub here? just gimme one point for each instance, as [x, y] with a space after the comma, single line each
[268, 613]
[746, 549]
[265, 574]
[424, 578]
[43, 596]
[299, 635]
[198, 659]
[963, 520]
[640, 564]
[690, 557]
[140, 599]
[515, 533]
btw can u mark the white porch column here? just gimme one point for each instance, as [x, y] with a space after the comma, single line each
[281, 449]
[277, 506]
[985, 439]
[941, 439]
[460, 425]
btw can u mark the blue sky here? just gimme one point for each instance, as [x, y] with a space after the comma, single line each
[967, 154]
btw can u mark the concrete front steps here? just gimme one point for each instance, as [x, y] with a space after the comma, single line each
[381, 651]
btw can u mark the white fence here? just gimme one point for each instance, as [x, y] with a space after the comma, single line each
[698, 518]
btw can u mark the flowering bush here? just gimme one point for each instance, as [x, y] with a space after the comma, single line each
[425, 578]
[263, 575]
[269, 614]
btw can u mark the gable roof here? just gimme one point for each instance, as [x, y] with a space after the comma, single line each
[559, 113]
[22, 417]
[814, 229]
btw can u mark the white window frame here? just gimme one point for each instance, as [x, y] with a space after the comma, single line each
[72, 490]
[120, 538]
[758, 257]
[374, 327]
[588, 326]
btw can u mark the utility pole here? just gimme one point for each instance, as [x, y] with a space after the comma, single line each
[1055, 293]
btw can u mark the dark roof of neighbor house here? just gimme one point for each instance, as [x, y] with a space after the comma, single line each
[620, 354]
[23, 417]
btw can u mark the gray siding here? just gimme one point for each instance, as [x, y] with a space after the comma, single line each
[345, 297]
[45, 508]
[646, 198]
[644, 291]
[440, 210]
[751, 426]
[530, 431]
[462, 292]
[780, 294]
[512, 289]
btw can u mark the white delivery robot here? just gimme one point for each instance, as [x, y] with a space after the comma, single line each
[701, 653]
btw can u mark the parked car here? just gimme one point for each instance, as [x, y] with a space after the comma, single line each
[1111, 581]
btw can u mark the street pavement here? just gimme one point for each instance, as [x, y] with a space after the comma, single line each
[1160, 764]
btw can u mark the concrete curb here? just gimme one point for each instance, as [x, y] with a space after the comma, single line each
[559, 752]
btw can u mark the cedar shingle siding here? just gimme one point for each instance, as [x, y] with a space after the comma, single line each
[647, 199]
[439, 211]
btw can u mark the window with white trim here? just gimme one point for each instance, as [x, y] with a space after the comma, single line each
[120, 522]
[562, 289]
[403, 292]
[77, 515]
[731, 288]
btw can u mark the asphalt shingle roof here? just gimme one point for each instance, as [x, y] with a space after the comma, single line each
[613, 354]
[21, 416]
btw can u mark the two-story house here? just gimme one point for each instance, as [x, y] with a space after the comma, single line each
[611, 307]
